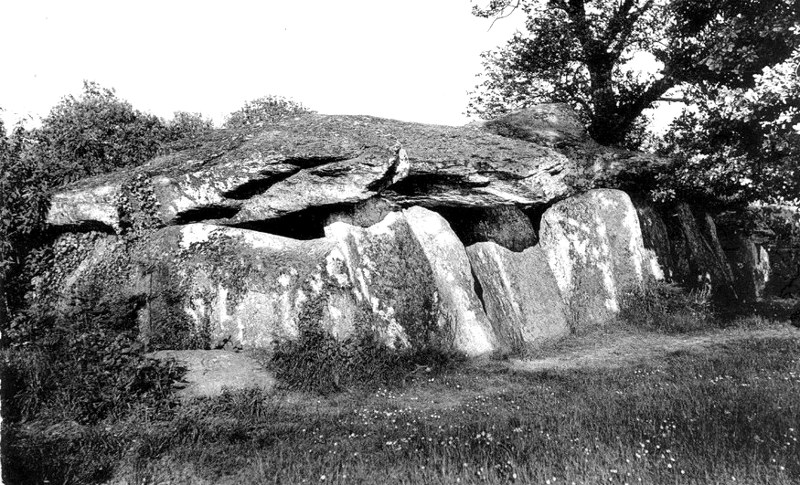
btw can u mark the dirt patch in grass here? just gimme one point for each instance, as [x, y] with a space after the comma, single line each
[625, 347]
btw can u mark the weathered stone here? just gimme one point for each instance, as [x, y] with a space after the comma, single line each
[505, 225]
[96, 204]
[392, 276]
[317, 161]
[593, 243]
[780, 234]
[250, 289]
[548, 124]
[520, 294]
[655, 238]
[460, 311]
[750, 265]
[209, 373]
[697, 256]
[244, 287]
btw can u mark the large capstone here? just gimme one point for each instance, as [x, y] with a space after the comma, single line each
[549, 124]
[325, 163]
[520, 294]
[461, 313]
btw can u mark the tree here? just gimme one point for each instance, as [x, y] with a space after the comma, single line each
[185, 130]
[263, 111]
[580, 52]
[738, 145]
[96, 133]
[23, 204]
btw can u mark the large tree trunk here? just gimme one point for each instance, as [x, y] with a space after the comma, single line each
[605, 127]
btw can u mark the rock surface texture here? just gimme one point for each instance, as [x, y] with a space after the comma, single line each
[209, 373]
[520, 293]
[390, 274]
[549, 124]
[698, 259]
[593, 244]
[488, 238]
[461, 313]
[325, 163]
[245, 288]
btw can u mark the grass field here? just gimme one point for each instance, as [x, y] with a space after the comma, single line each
[725, 412]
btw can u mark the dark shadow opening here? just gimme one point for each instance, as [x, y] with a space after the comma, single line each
[481, 224]
[306, 224]
[51, 232]
[255, 187]
[205, 213]
[535, 213]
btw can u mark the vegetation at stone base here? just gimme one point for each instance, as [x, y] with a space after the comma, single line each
[83, 363]
[666, 307]
[78, 367]
[580, 52]
[718, 415]
[317, 362]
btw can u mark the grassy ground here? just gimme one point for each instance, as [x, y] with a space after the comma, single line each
[727, 411]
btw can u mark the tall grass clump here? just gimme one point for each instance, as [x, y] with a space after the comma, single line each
[666, 307]
[318, 362]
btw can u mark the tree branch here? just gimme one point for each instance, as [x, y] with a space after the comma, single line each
[622, 23]
[504, 15]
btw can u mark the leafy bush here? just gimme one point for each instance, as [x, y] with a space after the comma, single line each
[96, 133]
[23, 205]
[186, 130]
[83, 366]
[665, 307]
[263, 111]
[317, 362]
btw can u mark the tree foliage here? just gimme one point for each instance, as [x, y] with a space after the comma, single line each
[23, 193]
[185, 130]
[737, 144]
[96, 132]
[580, 52]
[263, 111]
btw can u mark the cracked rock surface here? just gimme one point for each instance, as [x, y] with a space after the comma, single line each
[237, 177]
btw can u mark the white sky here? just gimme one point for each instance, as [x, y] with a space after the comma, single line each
[412, 60]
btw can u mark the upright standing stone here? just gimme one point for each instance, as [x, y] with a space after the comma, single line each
[460, 311]
[520, 293]
[699, 261]
[594, 246]
[392, 276]
[655, 237]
